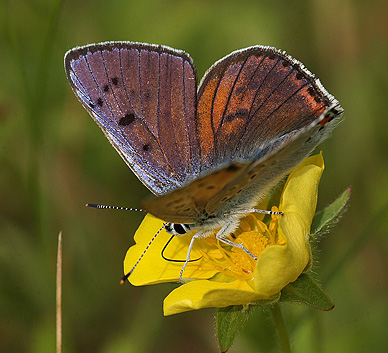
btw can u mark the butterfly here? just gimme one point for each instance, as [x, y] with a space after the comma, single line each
[208, 154]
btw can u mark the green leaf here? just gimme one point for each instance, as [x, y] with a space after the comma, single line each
[229, 322]
[306, 290]
[326, 218]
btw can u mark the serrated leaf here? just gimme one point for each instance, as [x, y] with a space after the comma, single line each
[229, 322]
[326, 218]
[306, 290]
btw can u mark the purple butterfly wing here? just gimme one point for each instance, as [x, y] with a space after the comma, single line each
[251, 98]
[143, 97]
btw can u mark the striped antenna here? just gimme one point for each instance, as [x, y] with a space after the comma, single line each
[96, 205]
[141, 256]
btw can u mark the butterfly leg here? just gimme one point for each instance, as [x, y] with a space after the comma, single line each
[227, 229]
[255, 210]
[195, 236]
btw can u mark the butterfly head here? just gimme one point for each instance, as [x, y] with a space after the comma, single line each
[178, 228]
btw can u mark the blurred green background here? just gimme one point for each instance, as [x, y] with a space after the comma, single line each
[54, 159]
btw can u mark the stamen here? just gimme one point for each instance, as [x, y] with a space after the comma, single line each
[255, 236]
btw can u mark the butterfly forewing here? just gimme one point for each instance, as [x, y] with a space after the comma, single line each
[252, 97]
[143, 97]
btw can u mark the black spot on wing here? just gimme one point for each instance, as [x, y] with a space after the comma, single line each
[285, 63]
[127, 119]
[311, 91]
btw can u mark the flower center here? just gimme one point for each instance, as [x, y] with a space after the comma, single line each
[255, 236]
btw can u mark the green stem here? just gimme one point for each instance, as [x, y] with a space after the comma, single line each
[278, 319]
[318, 335]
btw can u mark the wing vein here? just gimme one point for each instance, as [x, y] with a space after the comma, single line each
[259, 89]
[98, 87]
[152, 175]
[231, 91]
[161, 146]
[272, 92]
[212, 106]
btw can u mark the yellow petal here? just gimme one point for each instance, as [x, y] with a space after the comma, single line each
[301, 190]
[152, 267]
[204, 294]
[279, 265]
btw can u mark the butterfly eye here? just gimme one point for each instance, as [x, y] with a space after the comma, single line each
[177, 228]
[180, 228]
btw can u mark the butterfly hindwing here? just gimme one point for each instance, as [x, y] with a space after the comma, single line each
[188, 203]
[143, 97]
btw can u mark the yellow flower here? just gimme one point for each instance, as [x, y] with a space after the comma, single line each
[223, 275]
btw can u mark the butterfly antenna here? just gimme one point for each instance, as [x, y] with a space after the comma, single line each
[96, 205]
[141, 256]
